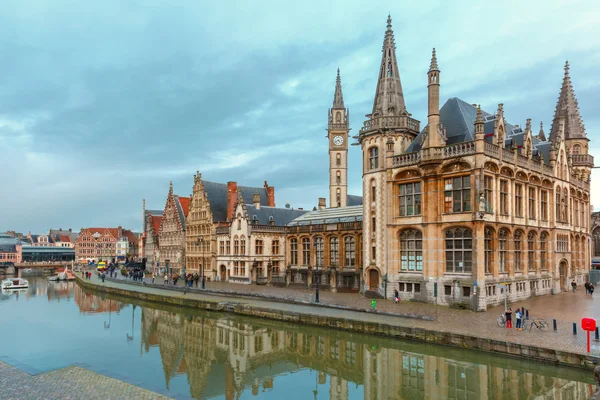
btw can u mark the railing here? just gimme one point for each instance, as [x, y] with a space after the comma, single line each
[492, 150]
[406, 159]
[222, 230]
[582, 159]
[507, 155]
[522, 161]
[391, 122]
[459, 149]
[269, 228]
[341, 126]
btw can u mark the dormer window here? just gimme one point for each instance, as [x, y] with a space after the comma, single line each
[254, 219]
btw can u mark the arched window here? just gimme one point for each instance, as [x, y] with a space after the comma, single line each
[518, 243]
[489, 250]
[334, 251]
[576, 149]
[236, 246]
[243, 246]
[411, 250]
[305, 251]
[294, 251]
[389, 70]
[543, 251]
[338, 159]
[558, 206]
[338, 177]
[320, 251]
[459, 250]
[502, 240]
[531, 251]
[349, 250]
[373, 158]
[338, 117]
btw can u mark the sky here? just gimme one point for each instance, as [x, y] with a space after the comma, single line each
[103, 103]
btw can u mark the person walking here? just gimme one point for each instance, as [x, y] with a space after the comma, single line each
[103, 276]
[508, 315]
[587, 287]
[196, 278]
[591, 289]
[153, 277]
[165, 278]
[574, 285]
[519, 318]
[396, 295]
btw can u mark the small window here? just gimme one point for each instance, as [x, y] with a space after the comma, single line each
[417, 288]
[409, 287]
[466, 291]
[401, 287]
[448, 290]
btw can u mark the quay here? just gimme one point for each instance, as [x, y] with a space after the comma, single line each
[434, 324]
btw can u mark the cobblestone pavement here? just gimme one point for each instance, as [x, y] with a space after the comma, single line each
[566, 308]
[67, 383]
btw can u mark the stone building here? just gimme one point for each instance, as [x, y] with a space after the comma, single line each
[251, 247]
[595, 229]
[94, 244]
[149, 241]
[63, 238]
[212, 206]
[471, 205]
[171, 234]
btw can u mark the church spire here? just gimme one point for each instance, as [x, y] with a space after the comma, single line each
[389, 99]
[541, 135]
[568, 108]
[338, 98]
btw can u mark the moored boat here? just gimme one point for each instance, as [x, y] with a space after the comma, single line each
[15, 283]
[53, 278]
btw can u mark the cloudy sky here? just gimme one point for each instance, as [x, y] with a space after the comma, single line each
[102, 103]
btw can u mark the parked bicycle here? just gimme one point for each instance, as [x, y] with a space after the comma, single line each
[538, 323]
[501, 321]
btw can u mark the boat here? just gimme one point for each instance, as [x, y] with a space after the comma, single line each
[27, 270]
[53, 278]
[15, 283]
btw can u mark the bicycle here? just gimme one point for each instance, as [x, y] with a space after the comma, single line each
[501, 321]
[538, 323]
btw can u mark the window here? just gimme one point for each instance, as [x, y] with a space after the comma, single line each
[457, 193]
[243, 246]
[583, 220]
[489, 253]
[305, 251]
[448, 290]
[518, 242]
[338, 159]
[349, 250]
[222, 247]
[410, 199]
[320, 251]
[466, 291]
[373, 191]
[459, 246]
[518, 200]
[258, 247]
[334, 253]
[294, 251]
[543, 250]
[236, 268]
[576, 149]
[411, 250]
[532, 212]
[236, 246]
[502, 238]
[531, 251]
[228, 247]
[373, 253]
[562, 243]
[373, 158]
[544, 205]
[504, 197]
[488, 193]
[558, 207]
[373, 223]
[275, 247]
[575, 218]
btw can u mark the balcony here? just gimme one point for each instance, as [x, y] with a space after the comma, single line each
[397, 122]
[583, 160]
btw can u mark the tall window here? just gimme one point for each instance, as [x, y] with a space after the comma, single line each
[583, 220]
[338, 159]
[457, 194]
[228, 247]
[543, 250]
[373, 158]
[518, 200]
[459, 248]
[294, 251]
[236, 246]
[275, 247]
[518, 243]
[504, 197]
[531, 210]
[334, 251]
[320, 251]
[544, 205]
[489, 250]
[488, 193]
[502, 239]
[575, 212]
[258, 247]
[243, 246]
[410, 199]
[411, 250]
[222, 247]
[531, 251]
[349, 250]
[558, 207]
[373, 191]
[338, 177]
[305, 251]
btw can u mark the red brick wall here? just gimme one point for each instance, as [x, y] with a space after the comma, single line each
[270, 195]
[231, 198]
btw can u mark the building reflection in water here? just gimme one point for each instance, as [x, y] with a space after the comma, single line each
[226, 356]
[91, 304]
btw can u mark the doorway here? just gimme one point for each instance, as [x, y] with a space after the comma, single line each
[373, 279]
[223, 273]
[562, 270]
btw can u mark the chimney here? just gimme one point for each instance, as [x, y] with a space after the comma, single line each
[287, 205]
[231, 199]
[270, 195]
[322, 203]
[119, 232]
[256, 200]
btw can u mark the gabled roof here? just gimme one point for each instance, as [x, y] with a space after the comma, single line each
[180, 203]
[217, 196]
[330, 216]
[131, 237]
[155, 212]
[354, 200]
[8, 248]
[185, 205]
[264, 215]
[156, 223]
[64, 239]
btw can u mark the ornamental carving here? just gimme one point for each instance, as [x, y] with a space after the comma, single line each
[491, 167]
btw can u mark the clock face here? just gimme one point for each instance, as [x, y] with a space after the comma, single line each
[338, 140]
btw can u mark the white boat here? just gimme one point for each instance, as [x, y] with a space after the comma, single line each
[53, 278]
[15, 283]
[27, 270]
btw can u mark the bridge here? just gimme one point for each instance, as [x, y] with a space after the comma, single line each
[10, 269]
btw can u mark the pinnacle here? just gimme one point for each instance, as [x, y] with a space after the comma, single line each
[479, 117]
[338, 98]
[567, 67]
[389, 22]
[434, 65]
[567, 107]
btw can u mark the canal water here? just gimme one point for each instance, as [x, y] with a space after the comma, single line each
[187, 354]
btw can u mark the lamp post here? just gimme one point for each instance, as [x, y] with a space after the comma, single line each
[316, 272]
[199, 242]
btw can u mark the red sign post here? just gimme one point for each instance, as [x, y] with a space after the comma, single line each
[588, 325]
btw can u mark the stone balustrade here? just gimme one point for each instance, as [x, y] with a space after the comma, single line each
[583, 159]
[459, 149]
[399, 122]
[406, 159]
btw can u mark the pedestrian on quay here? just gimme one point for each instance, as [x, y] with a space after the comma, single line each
[196, 278]
[103, 276]
[396, 295]
[574, 285]
[153, 277]
[508, 315]
[587, 287]
[591, 289]
[165, 278]
[519, 317]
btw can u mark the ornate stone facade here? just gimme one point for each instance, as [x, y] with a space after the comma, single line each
[149, 241]
[171, 235]
[471, 206]
[595, 229]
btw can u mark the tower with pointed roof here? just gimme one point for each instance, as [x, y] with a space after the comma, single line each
[388, 130]
[337, 133]
[435, 134]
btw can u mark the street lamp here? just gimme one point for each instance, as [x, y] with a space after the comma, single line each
[199, 242]
[130, 338]
[316, 272]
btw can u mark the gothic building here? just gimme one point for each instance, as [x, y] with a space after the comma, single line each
[595, 229]
[149, 242]
[171, 233]
[471, 205]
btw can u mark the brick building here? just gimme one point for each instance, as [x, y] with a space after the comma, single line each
[171, 234]
[94, 244]
[149, 240]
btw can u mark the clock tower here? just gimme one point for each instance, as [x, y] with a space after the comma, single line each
[337, 133]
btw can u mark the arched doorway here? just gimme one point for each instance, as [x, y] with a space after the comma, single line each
[223, 274]
[562, 271]
[373, 279]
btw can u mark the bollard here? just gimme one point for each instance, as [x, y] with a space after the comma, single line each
[574, 328]
[597, 338]
[527, 314]
[554, 323]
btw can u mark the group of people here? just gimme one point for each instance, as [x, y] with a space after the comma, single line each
[136, 275]
[518, 317]
[589, 287]
[86, 274]
[189, 279]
